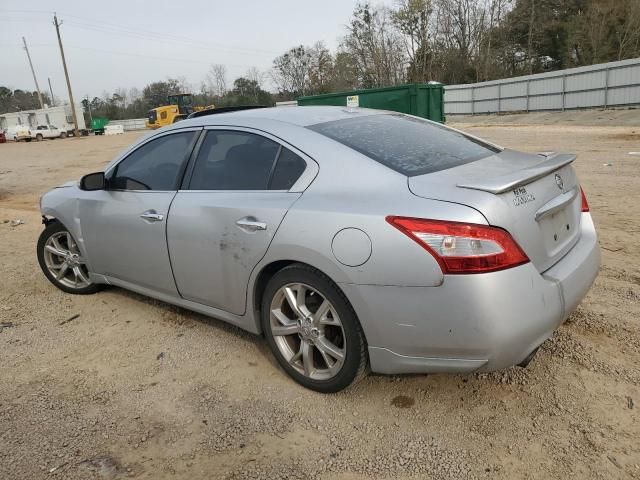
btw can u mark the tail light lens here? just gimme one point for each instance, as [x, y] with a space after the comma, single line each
[461, 248]
[585, 205]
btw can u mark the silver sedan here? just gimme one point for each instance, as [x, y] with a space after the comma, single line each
[352, 239]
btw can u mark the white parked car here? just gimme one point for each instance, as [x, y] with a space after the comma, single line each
[17, 133]
[46, 131]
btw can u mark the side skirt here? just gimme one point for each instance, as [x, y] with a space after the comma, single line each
[243, 322]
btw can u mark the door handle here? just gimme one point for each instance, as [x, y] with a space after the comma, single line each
[152, 216]
[251, 224]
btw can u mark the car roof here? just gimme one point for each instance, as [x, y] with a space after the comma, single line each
[301, 116]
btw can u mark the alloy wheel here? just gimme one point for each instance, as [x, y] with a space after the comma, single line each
[307, 331]
[64, 261]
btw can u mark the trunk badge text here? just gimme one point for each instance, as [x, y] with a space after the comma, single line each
[522, 196]
[559, 182]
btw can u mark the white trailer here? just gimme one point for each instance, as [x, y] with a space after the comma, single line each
[61, 117]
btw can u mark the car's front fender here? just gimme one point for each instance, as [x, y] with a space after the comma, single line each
[62, 203]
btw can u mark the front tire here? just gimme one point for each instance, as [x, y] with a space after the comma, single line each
[39, 137]
[312, 330]
[61, 261]
[63, 135]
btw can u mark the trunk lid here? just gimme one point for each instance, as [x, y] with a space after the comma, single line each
[535, 197]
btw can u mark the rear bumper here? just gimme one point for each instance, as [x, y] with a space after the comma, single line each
[473, 322]
[577, 270]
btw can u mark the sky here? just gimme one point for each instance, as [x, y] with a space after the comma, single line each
[112, 44]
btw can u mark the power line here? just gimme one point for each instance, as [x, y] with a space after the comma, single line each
[107, 27]
[138, 55]
[113, 28]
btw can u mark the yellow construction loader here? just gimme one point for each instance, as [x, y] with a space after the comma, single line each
[179, 107]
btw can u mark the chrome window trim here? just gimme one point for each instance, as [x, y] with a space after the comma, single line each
[231, 191]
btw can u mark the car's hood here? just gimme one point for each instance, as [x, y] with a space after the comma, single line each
[70, 183]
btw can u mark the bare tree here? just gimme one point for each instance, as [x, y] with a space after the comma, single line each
[122, 96]
[134, 94]
[320, 69]
[628, 32]
[217, 80]
[255, 77]
[496, 9]
[183, 85]
[291, 70]
[412, 18]
[376, 47]
[460, 29]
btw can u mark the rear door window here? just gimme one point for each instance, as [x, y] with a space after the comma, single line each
[234, 160]
[405, 144]
[288, 169]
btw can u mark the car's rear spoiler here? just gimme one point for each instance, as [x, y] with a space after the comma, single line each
[504, 183]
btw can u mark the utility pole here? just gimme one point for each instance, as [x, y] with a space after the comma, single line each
[26, 49]
[89, 106]
[53, 102]
[57, 24]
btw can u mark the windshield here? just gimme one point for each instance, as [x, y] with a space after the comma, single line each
[180, 100]
[406, 144]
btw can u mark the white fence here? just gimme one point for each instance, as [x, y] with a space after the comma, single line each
[130, 124]
[604, 85]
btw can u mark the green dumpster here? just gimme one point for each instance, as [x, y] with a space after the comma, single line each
[424, 100]
[98, 124]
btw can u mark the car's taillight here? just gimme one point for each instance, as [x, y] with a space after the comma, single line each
[463, 247]
[585, 205]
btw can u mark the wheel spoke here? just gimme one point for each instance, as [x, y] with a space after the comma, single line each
[55, 251]
[325, 345]
[290, 295]
[327, 359]
[281, 330]
[307, 358]
[57, 245]
[80, 274]
[296, 356]
[322, 312]
[63, 271]
[279, 315]
[333, 320]
[301, 300]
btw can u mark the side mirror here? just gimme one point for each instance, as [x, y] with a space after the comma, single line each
[92, 181]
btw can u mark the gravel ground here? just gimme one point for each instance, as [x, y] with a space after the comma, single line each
[116, 385]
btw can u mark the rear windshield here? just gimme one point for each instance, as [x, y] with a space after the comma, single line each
[405, 144]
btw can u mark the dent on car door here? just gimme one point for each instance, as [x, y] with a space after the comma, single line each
[124, 226]
[222, 222]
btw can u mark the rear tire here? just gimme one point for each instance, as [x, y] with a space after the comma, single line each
[63, 135]
[39, 137]
[61, 262]
[318, 341]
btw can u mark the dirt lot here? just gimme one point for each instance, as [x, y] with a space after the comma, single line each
[115, 385]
